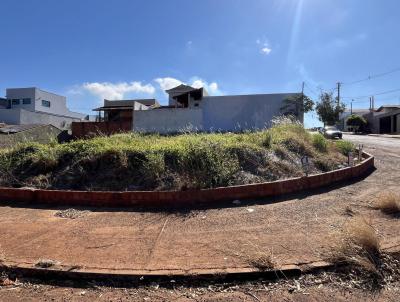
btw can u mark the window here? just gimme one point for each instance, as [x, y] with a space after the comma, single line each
[45, 103]
[26, 101]
[15, 101]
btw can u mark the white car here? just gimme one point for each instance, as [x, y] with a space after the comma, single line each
[331, 132]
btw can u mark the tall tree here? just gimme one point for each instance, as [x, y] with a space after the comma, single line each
[295, 105]
[358, 123]
[329, 109]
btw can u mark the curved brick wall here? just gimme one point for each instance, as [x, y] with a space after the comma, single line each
[179, 198]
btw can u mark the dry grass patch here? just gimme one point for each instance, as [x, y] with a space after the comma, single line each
[388, 203]
[357, 245]
[46, 263]
[262, 260]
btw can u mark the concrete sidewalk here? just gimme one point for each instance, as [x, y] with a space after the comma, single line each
[386, 135]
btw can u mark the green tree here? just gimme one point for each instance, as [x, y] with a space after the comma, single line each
[328, 109]
[357, 122]
[295, 105]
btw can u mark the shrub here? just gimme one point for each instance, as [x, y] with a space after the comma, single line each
[345, 147]
[319, 142]
[358, 245]
[388, 203]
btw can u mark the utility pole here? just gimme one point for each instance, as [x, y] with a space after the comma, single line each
[338, 93]
[302, 99]
[351, 106]
[373, 103]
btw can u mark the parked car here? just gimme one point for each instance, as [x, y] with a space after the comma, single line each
[331, 132]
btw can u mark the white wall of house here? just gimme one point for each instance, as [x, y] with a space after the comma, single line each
[216, 113]
[168, 120]
[18, 116]
[242, 112]
[28, 106]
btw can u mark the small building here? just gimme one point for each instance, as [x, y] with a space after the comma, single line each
[35, 106]
[384, 120]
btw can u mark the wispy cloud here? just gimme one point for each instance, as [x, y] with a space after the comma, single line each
[265, 49]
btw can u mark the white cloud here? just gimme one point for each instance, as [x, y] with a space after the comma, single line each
[266, 50]
[168, 83]
[196, 82]
[115, 91]
[213, 87]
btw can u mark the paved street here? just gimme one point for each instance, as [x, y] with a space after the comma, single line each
[375, 142]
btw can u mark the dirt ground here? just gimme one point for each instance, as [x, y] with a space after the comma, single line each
[295, 231]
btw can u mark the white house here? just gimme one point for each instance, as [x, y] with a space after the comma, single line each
[36, 106]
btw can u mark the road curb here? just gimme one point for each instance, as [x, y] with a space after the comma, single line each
[177, 199]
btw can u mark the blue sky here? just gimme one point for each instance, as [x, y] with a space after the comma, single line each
[88, 50]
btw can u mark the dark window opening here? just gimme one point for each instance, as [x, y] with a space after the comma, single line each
[26, 101]
[15, 101]
[46, 103]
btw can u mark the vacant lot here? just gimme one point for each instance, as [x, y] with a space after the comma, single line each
[153, 162]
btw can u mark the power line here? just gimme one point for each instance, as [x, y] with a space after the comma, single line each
[365, 96]
[373, 76]
[311, 90]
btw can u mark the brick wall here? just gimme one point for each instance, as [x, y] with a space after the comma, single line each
[186, 198]
[91, 129]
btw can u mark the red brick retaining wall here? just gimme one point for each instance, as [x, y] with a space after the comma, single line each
[190, 197]
[91, 129]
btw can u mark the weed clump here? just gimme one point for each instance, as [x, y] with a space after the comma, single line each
[319, 142]
[345, 147]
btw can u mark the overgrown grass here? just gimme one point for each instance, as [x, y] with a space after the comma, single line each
[153, 162]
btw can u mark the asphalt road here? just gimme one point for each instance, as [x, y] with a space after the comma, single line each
[373, 142]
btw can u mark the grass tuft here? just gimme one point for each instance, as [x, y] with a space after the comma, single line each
[345, 147]
[320, 142]
[357, 245]
[388, 203]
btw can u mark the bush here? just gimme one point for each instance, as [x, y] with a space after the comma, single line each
[345, 147]
[319, 142]
[388, 203]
